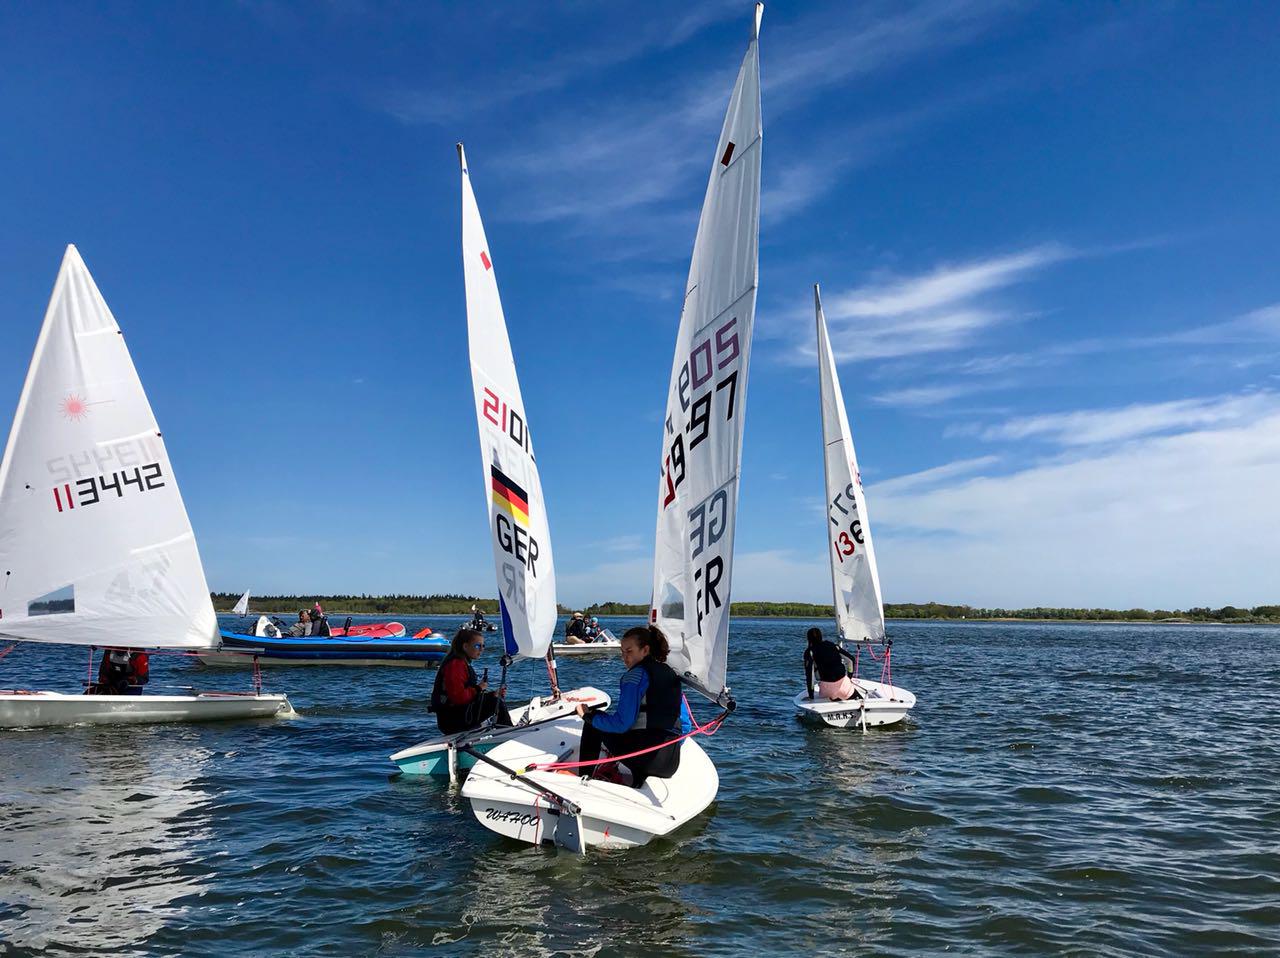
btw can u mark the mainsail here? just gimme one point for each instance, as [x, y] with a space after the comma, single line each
[855, 583]
[95, 544]
[242, 607]
[702, 438]
[512, 489]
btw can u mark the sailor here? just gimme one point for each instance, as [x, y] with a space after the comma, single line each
[827, 659]
[650, 711]
[122, 673]
[302, 626]
[575, 630]
[460, 700]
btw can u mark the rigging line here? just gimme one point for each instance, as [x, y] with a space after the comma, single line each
[564, 804]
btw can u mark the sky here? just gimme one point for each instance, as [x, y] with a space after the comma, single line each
[1046, 236]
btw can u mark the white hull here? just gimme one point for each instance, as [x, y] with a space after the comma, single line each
[576, 650]
[882, 705]
[432, 756]
[612, 816]
[39, 709]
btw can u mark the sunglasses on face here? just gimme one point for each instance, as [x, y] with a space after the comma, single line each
[477, 645]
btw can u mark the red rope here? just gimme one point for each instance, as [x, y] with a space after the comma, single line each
[710, 728]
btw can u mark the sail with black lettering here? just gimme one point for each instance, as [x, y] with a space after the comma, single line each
[855, 583]
[513, 492]
[702, 430]
[95, 544]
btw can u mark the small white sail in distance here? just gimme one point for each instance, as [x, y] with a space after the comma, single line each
[513, 490]
[855, 583]
[95, 544]
[702, 435]
[242, 607]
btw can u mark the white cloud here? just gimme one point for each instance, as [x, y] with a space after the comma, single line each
[920, 396]
[1167, 521]
[944, 309]
[1090, 426]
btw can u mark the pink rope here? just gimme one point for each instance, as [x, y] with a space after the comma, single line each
[710, 728]
[8, 650]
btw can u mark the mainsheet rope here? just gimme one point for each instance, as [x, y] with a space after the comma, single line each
[710, 728]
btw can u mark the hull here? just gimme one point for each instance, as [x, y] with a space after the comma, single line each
[41, 709]
[612, 816]
[577, 650]
[883, 705]
[432, 756]
[238, 649]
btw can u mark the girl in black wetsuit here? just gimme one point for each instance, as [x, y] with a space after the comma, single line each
[827, 659]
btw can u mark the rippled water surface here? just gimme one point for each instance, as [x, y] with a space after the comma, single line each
[1084, 789]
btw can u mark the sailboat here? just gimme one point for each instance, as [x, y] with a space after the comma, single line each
[242, 606]
[518, 524]
[95, 545]
[855, 583]
[520, 791]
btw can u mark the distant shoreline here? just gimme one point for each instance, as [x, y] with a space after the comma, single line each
[337, 606]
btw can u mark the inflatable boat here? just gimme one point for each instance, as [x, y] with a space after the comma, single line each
[353, 645]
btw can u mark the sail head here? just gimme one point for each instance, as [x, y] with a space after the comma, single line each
[95, 544]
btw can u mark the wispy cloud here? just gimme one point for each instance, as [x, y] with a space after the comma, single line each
[1093, 426]
[944, 309]
[932, 477]
[918, 397]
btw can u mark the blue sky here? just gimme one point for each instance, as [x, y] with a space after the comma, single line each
[1046, 235]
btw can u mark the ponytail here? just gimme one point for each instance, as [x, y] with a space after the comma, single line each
[651, 637]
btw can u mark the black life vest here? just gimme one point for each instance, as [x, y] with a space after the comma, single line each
[660, 706]
[828, 661]
[113, 675]
[439, 700]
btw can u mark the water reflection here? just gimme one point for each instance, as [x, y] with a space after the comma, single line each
[98, 836]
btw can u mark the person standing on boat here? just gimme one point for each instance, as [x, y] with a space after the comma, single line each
[460, 700]
[827, 659]
[650, 710]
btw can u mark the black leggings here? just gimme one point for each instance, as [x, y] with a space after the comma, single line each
[623, 743]
[453, 719]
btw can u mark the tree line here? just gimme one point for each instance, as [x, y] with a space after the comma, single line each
[453, 604]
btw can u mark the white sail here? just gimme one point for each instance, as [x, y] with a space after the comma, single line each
[242, 607]
[513, 491]
[95, 544]
[702, 436]
[855, 584]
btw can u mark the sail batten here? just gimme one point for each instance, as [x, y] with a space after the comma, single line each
[95, 544]
[855, 581]
[701, 455]
[512, 487]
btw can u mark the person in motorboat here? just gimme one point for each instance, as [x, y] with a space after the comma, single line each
[651, 710]
[122, 672]
[460, 700]
[302, 627]
[319, 622]
[827, 659]
[477, 622]
[593, 629]
[575, 630]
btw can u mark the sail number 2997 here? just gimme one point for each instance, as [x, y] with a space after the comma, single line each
[701, 380]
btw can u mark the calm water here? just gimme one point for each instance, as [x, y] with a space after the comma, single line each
[1068, 789]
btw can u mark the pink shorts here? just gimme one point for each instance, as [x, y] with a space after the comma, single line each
[836, 691]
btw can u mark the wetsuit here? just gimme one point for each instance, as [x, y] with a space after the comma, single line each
[828, 658]
[457, 700]
[650, 711]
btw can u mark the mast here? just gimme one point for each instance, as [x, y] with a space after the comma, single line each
[855, 581]
[702, 437]
[512, 487]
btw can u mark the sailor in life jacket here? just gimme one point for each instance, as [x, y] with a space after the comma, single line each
[650, 711]
[460, 700]
[122, 672]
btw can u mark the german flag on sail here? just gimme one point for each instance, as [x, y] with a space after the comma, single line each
[509, 496]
